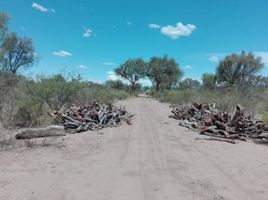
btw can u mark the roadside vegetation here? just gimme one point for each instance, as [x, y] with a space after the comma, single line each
[237, 80]
[29, 101]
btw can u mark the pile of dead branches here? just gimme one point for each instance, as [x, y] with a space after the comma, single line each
[210, 120]
[92, 117]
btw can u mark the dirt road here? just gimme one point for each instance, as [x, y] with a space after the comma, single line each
[152, 159]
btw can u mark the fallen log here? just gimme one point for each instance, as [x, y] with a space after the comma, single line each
[218, 139]
[50, 131]
[233, 136]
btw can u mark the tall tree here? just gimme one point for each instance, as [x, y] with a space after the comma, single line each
[237, 69]
[258, 82]
[189, 83]
[164, 72]
[3, 24]
[208, 81]
[15, 53]
[132, 70]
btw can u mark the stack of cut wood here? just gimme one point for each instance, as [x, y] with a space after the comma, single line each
[92, 117]
[212, 121]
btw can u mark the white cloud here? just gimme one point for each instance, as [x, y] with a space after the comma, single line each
[145, 82]
[35, 54]
[112, 76]
[97, 81]
[108, 63]
[39, 7]
[174, 32]
[42, 8]
[188, 67]
[62, 53]
[214, 59]
[87, 32]
[263, 55]
[154, 26]
[23, 28]
[82, 66]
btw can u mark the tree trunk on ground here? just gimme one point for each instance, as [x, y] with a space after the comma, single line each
[31, 133]
[132, 87]
[157, 86]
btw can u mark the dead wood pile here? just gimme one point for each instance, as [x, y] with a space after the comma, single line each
[209, 120]
[92, 117]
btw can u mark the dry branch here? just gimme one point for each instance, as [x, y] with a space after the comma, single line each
[93, 117]
[218, 139]
[209, 120]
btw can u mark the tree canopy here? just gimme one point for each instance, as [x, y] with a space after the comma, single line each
[132, 70]
[115, 84]
[208, 81]
[237, 69]
[3, 24]
[189, 83]
[15, 53]
[164, 72]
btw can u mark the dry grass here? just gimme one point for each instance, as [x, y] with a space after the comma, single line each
[254, 100]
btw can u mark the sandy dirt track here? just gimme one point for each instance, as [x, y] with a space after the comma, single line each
[152, 159]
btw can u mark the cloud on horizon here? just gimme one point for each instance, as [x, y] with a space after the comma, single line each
[187, 67]
[108, 63]
[263, 55]
[82, 66]
[214, 59]
[112, 76]
[62, 53]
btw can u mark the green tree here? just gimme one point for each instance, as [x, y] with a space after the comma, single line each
[116, 84]
[237, 69]
[132, 70]
[208, 81]
[189, 83]
[3, 24]
[54, 91]
[164, 72]
[10, 95]
[258, 82]
[16, 53]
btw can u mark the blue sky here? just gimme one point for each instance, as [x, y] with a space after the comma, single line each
[92, 37]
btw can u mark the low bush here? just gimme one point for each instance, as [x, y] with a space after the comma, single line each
[100, 94]
[29, 102]
[226, 98]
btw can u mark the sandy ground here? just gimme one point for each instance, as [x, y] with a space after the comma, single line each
[152, 159]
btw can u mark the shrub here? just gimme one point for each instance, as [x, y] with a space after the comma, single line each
[29, 103]
[10, 93]
[31, 113]
[54, 91]
[99, 93]
[226, 98]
